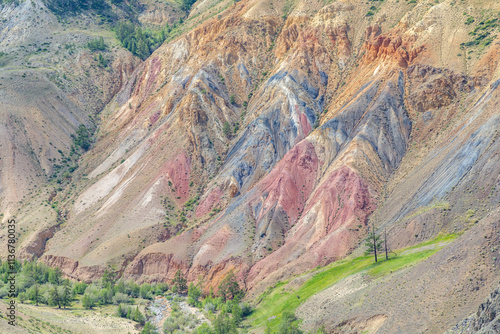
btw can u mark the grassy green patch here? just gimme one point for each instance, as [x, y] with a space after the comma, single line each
[436, 205]
[385, 267]
[280, 298]
[440, 238]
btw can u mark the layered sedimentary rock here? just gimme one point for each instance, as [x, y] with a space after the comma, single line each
[266, 138]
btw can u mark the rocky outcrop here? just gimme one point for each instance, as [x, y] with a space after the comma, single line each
[486, 320]
[391, 47]
[434, 88]
[73, 269]
[36, 246]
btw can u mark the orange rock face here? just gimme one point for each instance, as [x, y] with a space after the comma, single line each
[390, 47]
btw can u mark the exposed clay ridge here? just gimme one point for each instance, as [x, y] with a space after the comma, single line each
[72, 268]
[389, 46]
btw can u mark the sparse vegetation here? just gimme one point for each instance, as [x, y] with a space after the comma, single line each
[316, 123]
[445, 206]
[101, 61]
[287, 9]
[482, 34]
[64, 8]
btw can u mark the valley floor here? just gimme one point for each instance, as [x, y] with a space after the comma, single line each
[43, 319]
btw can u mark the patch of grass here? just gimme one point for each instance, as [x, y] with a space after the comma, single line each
[436, 205]
[280, 298]
[440, 238]
[385, 267]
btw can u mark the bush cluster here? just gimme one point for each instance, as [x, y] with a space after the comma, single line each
[97, 44]
[129, 312]
[65, 7]
[138, 41]
[179, 321]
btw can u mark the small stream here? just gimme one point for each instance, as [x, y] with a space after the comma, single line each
[161, 308]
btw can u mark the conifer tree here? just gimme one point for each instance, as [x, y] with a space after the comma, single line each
[385, 244]
[36, 294]
[119, 312]
[55, 297]
[180, 282]
[101, 44]
[67, 295]
[88, 301]
[229, 288]
[373, 243]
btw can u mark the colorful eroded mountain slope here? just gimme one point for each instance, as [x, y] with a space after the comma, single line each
[269, 135]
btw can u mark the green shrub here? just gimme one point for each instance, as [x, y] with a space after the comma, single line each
[97, 44]
[120, 298]
[145, 291]
[88, 301]
[204, 329]
[194, 294]
[469, 20]
[82, 138]
[288, 324]
[226, 129]
[149, 329]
